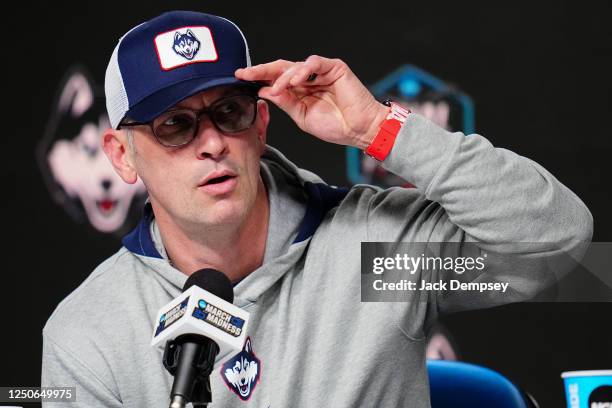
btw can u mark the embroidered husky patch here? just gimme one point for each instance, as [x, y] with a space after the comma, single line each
[241, 373]
[186, 45]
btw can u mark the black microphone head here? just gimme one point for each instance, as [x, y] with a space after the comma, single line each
[213, 281]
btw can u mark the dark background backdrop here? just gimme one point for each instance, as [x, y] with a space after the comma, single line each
[539, 75]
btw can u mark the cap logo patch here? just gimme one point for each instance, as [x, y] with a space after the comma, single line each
[185, 45]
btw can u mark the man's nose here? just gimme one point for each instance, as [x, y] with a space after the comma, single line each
[209, 142]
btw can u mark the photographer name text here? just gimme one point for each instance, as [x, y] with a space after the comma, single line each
[453, 284]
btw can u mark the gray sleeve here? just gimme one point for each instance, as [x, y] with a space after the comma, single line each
[470, 191]
[62, 368]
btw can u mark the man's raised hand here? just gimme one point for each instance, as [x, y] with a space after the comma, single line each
[323, 96]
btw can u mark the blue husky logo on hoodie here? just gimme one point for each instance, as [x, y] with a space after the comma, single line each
[241, 373]
[186, 45]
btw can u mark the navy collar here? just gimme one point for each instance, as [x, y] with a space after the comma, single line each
[139, 241]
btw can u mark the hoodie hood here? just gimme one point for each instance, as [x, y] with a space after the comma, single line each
[299, 201]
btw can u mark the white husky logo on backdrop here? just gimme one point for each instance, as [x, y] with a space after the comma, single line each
[76, 169]
[241, 373]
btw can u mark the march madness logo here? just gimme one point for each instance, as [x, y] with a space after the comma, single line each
[241, 373]
[78, 175]
[219, 318]
[172, 316]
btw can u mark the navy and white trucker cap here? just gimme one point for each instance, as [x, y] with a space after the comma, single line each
[169, 58]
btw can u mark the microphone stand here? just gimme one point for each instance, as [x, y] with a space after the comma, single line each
[190, 358]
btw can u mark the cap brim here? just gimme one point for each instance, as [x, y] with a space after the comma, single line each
[159, 102]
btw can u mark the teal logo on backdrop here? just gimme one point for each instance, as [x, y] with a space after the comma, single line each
[423, 93]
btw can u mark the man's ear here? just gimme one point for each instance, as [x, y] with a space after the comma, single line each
[115, 145]
[261, 123]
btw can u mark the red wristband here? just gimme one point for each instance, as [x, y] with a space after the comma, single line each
[382, 144]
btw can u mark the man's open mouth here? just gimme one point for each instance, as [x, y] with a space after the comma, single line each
[220, 185]
[217, 180]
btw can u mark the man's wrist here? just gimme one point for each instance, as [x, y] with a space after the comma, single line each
[381, 144]
[381, 115]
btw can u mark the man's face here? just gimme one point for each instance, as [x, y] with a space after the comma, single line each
[211, 182]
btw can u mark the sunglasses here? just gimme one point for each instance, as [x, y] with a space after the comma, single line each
[178, 127]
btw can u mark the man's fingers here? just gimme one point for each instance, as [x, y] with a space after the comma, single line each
[289, 82]
[284, 81]
[302, 74]
[282, 74]
[317, 70]
[287, 101]
[321, 65]
[263, 72]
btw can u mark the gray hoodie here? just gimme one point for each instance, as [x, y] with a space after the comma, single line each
[312, 342]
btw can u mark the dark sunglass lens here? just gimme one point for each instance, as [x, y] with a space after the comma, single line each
[175, 128]
[234, 114]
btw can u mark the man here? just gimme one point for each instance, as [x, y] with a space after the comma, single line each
[181, 99]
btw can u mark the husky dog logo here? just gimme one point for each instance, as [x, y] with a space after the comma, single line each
[186, 45]
[241, 373]
[79, 176]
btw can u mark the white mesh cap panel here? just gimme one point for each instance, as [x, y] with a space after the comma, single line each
[246, 45]
[117, 103]
[116, 98]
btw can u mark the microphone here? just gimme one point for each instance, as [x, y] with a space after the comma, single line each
[197, 326]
